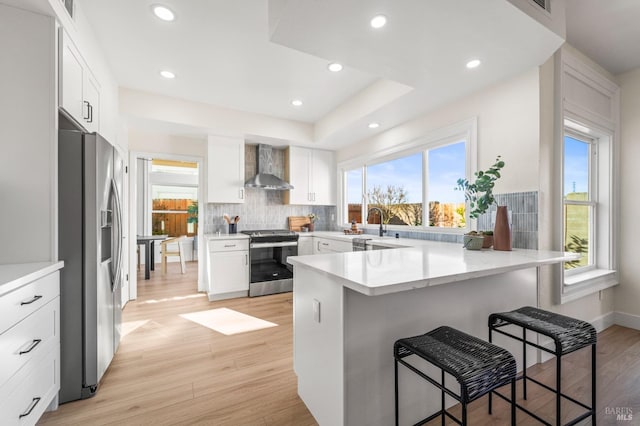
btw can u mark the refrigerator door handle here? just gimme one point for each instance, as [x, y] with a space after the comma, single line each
[118, 217]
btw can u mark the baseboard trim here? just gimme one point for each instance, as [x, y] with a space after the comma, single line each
[604, 321]
[627, 320]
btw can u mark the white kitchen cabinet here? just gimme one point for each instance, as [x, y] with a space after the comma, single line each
[228, 268]
[305, 245]
[79, 93]
[225, 170]
[327, 245]
[312, 174]
[29, 347]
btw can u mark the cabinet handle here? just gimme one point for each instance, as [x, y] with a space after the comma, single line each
[325, 244]
[242, 194]
[246, 259]
[88, 113]
[36, 297]
[33, 345]
[314, 196]
[33, 404]
[229, 245]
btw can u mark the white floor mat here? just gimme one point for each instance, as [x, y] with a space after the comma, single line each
[227, 321]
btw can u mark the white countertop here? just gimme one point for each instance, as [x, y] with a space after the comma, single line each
[238, 236]
[15, 276]
[420, 263]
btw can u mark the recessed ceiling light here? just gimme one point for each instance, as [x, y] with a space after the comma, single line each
[379, 21]
[374, 125]
[335, 67]
[473, 63]
[163, 12]
[296, 102]
[167, 74]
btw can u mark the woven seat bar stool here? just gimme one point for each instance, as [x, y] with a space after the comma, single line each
[477, 365]
[568, 334]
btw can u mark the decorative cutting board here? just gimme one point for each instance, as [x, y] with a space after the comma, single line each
[297, 222]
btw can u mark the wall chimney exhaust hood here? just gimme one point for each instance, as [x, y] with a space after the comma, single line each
[265, 179]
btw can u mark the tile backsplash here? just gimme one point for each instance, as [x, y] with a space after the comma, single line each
[264, 209]
[524, 222]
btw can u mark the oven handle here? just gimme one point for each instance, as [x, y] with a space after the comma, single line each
[269, 245]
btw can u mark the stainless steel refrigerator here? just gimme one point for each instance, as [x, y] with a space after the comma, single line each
[90, 176]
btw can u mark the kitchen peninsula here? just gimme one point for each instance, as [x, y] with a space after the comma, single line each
[349, 309]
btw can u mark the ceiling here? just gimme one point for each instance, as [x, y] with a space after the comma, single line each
[607, 31]
[258, 55]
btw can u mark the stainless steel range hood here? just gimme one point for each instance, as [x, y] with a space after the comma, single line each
[265, 179]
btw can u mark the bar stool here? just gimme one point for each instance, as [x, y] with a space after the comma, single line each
[568, 334]
[477, 365]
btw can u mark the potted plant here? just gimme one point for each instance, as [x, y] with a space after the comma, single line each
[479, 194]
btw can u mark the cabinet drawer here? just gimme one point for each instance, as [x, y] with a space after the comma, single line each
[17, 305]
[24, 400]
[228, 245]
[28, 339]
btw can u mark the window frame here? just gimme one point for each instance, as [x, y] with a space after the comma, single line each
[464, 131]
[603, 273]
[592, 201]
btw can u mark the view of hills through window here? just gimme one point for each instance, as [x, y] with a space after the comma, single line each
[578, 205]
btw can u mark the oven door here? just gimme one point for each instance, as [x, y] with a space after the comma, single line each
[270, 272]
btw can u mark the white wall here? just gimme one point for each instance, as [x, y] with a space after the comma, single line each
[28, 177]
[508, 125]
[627, 294]
[151, 142]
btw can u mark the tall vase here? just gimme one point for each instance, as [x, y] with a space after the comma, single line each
[502, 230]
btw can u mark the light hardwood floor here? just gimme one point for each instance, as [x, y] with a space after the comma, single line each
[171, 371]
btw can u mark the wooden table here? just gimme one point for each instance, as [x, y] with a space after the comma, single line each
[149, 243]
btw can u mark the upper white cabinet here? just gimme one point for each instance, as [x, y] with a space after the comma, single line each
[312, 174]
[79, 91]
[225, 170]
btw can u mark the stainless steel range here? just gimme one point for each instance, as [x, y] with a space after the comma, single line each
[268, 253]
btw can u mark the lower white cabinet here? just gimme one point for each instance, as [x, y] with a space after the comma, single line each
[228, 268]
[305, 245]
[29, 350]
[327, 245]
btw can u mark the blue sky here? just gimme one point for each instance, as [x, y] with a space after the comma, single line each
[576, 165]
[446, 165]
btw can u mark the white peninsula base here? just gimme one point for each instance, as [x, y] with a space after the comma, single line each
[350, 308]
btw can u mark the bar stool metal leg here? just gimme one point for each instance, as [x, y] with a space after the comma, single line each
[524, 363]
[396, 391]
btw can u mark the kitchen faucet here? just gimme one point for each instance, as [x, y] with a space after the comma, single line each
[381, 232]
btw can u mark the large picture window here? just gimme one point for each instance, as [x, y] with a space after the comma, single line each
[413, 187]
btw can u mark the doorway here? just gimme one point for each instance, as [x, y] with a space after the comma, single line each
[165, 194]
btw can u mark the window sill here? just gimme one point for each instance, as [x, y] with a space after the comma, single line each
[580, 285]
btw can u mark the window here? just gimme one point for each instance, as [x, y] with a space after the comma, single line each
[174, 194]
[413, 186]
[587, 209]
[395, 187]
[579, 198]
[173, 206]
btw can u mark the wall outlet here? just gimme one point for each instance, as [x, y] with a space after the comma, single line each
[316, 310]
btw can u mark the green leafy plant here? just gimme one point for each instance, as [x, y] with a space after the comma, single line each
[578, 245]
[480, 192]
[192, 212]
